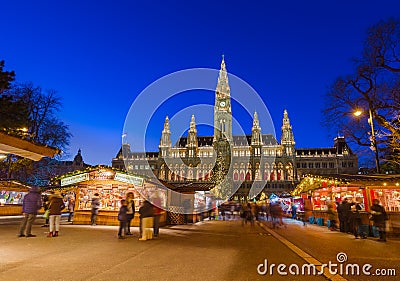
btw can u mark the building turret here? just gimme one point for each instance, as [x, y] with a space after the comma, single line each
[165, 142]
[192, 139]
[287, 138]
[78, 159]
[256, 138]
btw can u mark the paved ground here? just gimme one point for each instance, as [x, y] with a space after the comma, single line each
[210, 250]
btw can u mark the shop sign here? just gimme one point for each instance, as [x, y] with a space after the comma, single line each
[136, 181]
[74, 179]
[101, 175]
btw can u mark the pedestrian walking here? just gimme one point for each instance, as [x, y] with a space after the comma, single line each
[157, 214]
[146, 221]
[31, 203]
[56, 206]
[277, 214]
[95, 208]
[123, 219]
[331, 217]
[186, 210]
[130, 213]
[46, 202]
[379, 218]
[71, 207]
[243, 213]
[294, 211]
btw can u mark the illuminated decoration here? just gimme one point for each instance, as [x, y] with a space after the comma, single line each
[74, 179]
[101, 174]
[136, 181]
[273, 197]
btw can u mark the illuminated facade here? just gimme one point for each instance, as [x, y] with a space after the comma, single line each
[257, 158]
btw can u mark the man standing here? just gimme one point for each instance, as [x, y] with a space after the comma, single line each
[95, 208]
[379, 217]
[31, 204]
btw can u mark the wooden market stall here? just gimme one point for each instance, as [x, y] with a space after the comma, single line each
[322, 190]
[112, 185]
[12, 193]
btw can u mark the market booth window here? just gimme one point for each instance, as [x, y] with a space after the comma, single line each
[12, 193]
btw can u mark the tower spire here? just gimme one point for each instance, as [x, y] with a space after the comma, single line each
[223, 89]
[287, 137]
[256, 131]
[222, 107]
[165, 142]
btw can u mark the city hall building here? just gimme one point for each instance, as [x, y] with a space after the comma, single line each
[260, 159]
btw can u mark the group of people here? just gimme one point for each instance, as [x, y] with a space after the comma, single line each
[350, 220]
[54, 204]
[149, 216]
[32, 203]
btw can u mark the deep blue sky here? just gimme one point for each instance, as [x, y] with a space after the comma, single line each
[99, 55]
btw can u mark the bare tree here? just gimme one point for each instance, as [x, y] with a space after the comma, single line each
[374, 87]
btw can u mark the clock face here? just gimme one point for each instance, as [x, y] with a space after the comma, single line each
[222, 103]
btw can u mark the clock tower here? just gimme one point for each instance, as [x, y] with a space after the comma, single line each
[222, 107]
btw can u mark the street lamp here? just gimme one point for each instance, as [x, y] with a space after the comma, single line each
[374, 146]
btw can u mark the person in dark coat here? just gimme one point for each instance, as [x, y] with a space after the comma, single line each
[331, 217]
[356, 219]
[31, 203]
[46, 203]
[56, 206]
[344, 210]
[379, 217]
[123, 218]
[130, 213]
[95, 208]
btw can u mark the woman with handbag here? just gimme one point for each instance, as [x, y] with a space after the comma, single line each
[56, 206]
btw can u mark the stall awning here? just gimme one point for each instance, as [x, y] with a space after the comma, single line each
[13, 185]
[24, 148]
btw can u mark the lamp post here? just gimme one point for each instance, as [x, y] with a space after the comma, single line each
[373, 138]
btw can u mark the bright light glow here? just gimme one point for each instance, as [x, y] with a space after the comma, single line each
[2, 157]
[358, 112]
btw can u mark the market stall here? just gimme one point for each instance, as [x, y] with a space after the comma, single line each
[111, 185]
[360, 189]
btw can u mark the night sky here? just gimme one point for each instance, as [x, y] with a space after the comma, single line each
[100, 55]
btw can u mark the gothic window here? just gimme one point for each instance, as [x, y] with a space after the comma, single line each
[248, 176]
[242, 175]
[235, 176]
